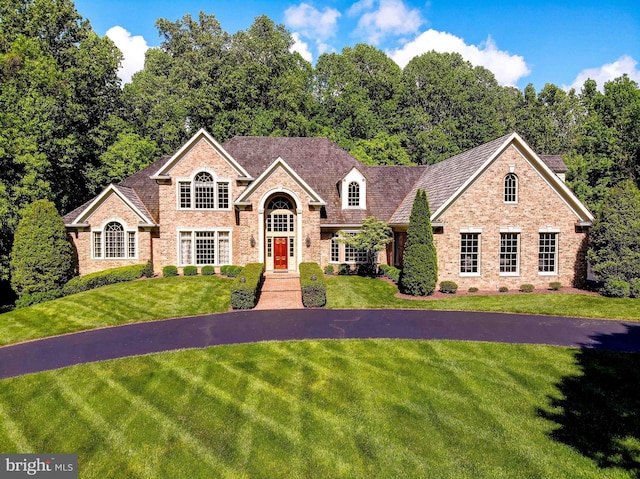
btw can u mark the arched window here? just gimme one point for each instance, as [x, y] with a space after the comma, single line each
[204, 192]
[280, 217]
[511, 188]
[353, 194]
[114, 242]
[280, 203]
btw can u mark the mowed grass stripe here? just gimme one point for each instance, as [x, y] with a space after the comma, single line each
[314, 409]
[12, 431]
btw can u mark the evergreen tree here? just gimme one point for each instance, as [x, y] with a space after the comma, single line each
[614, 252]
[42, 258]
[420, 262]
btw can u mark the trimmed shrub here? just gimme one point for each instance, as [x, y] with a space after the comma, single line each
[190, 271]
[527, 288]
[169, 271]
[103, 278]
[344, 269]
[208, 270]
[390, 272]
[42, 256]
[555, 285]
[634, 289]
[448, 287]
[35, 298]
[328, 269]
[148, 271]
[313, 286]
[473, 289]
[503, 289]
[616, 288]
[245, 289]
[420, 263]
[230, 270]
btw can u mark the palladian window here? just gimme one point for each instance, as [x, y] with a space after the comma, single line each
[204, 192]
[114, 242]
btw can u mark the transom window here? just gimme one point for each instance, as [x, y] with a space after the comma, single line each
[204, 192]
[353, 194]
[201, 248]
[280, 203]
[511, 188]
[280, 218]
[548, 253]
[114, 242]
[469, 253]
[509, 243]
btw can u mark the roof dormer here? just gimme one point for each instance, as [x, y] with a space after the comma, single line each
[354, 190]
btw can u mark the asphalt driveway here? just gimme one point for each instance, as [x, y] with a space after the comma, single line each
[279, 325]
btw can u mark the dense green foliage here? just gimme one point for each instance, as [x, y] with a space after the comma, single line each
[208, 270]
[190, 271]
[390, 272]
[372, 237]
[313, 285]
[614, 250]
[42, 257]
[103, 278]
[230, 270]
[448, 287]
[419, 261]
[169, 270]
[67, 129]
[245, 289]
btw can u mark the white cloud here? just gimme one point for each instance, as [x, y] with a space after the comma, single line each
[301, 47]
[624, 64]
[507, 68]
[311, 22]
[392, 17]
[133, 49]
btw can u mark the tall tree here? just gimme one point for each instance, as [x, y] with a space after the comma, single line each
[373, 237]
[420, 262]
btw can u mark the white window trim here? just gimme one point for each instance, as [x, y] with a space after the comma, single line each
[341, 249]
[126, 231]
[471, 230]
[517, 231]
[517, 180]
[191, 181]
[193, 230]
[354, 176]
[556, 231]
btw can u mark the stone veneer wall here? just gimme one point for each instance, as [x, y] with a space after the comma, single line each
[539, 206]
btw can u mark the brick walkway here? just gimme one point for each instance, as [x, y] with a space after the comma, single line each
[280, 291]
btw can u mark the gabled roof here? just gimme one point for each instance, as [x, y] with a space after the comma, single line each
[202, 134]
[279, 163]
[128, 195]
[445, 181]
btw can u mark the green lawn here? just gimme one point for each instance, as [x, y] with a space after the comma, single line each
[336, 409]
[359, 292]
[121, 303]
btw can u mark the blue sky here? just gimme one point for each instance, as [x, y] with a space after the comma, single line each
[521, 42]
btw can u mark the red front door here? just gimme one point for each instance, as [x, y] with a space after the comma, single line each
[280, 253]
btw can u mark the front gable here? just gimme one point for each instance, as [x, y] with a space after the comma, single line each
[115, 200]
[201, 144]
[279, 167]
[514, 155]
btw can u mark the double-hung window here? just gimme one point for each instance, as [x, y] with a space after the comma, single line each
[204, 192]
[548, 253]
[469, 253]
[509, 253]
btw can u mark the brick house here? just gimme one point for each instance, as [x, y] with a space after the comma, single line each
[502, 215]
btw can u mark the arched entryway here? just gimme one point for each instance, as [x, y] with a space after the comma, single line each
[280, 233]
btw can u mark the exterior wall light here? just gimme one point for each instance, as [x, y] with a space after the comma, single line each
[252, 241]
[308, 241]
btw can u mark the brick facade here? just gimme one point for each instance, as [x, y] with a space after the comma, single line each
[543, 204]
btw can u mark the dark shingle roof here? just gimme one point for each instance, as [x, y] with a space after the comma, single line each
[554, 162]
[443, 179]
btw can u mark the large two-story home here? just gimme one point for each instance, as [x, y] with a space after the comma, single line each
[501, 214]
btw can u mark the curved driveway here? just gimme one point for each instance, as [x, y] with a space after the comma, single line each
[252, 326]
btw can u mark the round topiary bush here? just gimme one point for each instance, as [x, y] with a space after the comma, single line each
[448, 287]
[503, 289]
[208, 271]
[328, 269]
[473, 289]
[527, 288]
[555, 285]
[190, 271]
[169, 271]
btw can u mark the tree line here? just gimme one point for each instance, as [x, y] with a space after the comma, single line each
[68, 128]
